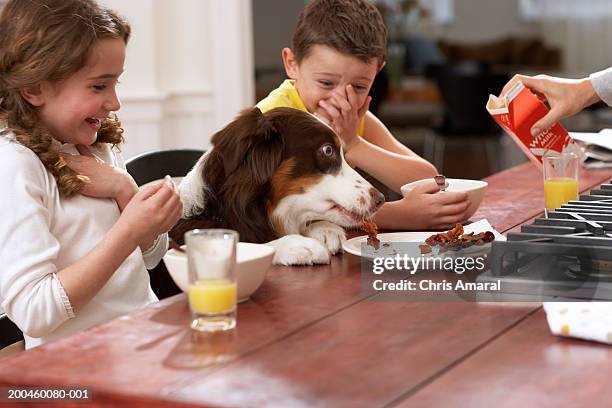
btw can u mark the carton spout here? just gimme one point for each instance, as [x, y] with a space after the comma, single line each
[495, 103]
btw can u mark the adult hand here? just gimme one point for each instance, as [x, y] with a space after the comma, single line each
[429, 208]
[565, 97]
[343, 113]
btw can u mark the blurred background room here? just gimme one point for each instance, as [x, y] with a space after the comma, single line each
[446, 56]
[192, 65]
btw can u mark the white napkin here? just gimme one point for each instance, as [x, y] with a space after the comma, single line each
[583, 320]
[482, 226]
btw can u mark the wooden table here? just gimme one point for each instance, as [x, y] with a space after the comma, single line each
[310, 337]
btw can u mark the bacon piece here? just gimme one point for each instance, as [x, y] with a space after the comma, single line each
[369, 227]
[445, 237]
[455, 232]
[456, 240]
[425, 249]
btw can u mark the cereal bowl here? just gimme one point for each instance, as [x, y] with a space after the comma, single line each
[252, 264]
[474, 188]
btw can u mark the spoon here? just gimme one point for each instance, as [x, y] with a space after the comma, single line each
[440, 181]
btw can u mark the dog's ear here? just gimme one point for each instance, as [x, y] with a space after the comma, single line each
[252, 142]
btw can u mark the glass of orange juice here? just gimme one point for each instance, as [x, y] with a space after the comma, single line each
[211, 255]
[560, 179]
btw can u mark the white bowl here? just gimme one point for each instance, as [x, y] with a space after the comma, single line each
[252, 263]
[474, 188]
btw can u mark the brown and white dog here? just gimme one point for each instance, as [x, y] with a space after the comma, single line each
[280, 177]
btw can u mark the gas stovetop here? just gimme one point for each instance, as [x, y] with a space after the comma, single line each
[566, 256]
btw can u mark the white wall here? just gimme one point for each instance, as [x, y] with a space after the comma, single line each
[584, 44]
[583, 40]
[188, 72]
[582, 37]
[477, 21]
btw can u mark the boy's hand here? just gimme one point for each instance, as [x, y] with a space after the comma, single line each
[431, 209]
[343, 114]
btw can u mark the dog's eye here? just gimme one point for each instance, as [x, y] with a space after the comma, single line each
[328, 150]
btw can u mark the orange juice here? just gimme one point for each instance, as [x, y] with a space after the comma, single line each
[212, 296]
[558, 191]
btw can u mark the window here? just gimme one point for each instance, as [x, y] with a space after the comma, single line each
[565, 9]
[441, 10]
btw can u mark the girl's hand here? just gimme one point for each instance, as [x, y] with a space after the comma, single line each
[152, 211]
[430, 208]
[344, 114]
[106, 181]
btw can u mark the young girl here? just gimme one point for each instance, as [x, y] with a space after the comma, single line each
[76, 234]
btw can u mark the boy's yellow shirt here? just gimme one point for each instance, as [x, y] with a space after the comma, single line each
[286, 96]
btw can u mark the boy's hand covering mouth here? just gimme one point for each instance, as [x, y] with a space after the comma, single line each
[344, 115]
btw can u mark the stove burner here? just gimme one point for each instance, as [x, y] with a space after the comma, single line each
[568, 254]
[594, 268]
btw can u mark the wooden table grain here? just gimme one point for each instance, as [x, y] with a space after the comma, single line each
[311, 337]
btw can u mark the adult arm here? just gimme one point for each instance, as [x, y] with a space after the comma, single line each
[602, 84]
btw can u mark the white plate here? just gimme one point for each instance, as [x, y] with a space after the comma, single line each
[396, 243]
[353, 245]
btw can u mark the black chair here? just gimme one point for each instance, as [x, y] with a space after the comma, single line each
[9, 332]
[465, 89]
[152, 166]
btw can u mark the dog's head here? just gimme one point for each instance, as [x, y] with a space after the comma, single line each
[272, 174]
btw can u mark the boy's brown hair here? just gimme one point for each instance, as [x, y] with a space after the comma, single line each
[351, 27]
[50, 40]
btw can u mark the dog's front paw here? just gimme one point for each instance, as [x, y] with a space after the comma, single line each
[327, 233]
[299, 250]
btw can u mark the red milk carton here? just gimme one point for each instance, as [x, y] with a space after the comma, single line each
[517, 112]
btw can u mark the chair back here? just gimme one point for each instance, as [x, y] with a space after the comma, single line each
[465, 89]
[154, 165]
[9, 332]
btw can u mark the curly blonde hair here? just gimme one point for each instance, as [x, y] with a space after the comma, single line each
[49, 40]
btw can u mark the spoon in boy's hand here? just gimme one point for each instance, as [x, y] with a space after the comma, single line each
[440, 181]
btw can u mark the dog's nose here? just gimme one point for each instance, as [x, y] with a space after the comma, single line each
[377, 198]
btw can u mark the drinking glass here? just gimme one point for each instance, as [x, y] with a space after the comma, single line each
[560, 179]
[212, 291]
